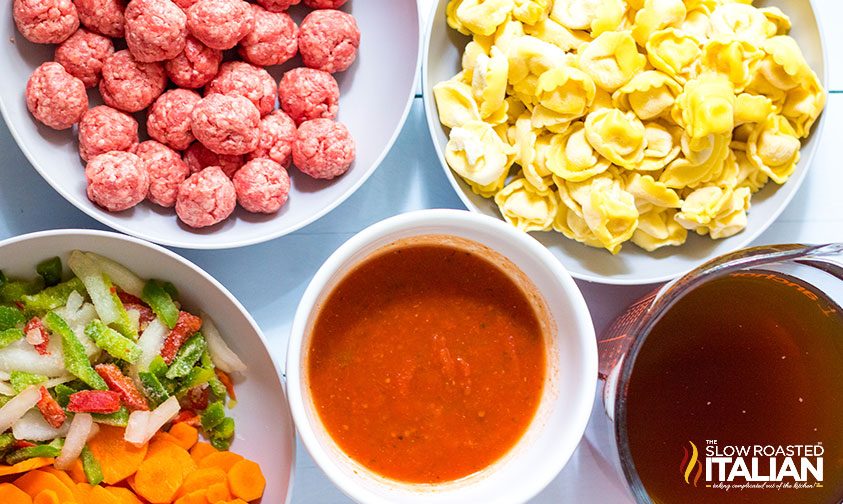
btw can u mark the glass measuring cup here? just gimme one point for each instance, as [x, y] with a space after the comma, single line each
[809, 268]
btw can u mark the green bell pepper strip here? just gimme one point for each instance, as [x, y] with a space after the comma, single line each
[75, 359]
[3, 279]
[50, 270]
[52, 297]
[10, 317]
[6, 441]
[11, 292]
[91, 467]
[197, 376]
[158, 367]
[189, 353]
[9, 336]
[119, 418]
[63, 393]
[113, 342]
[153, 388]
[156, 296]
[21, 379]
[46, 450]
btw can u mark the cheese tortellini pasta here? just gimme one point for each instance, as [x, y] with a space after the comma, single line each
[614, 121]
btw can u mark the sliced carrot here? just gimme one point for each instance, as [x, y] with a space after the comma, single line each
[200, 450]
[201, 479]
[66, 479]
[35, 482]
[224, 460]
[236, 501]
[26, 465]
[124, 495]
[197, 497]
[160, 476]
[100, 495]
[163, 436]
[10, 494]
[131, 482]
[119, 459]
[246, 480]
[47, 496]
[83, 490]
[186, 435]
[76, 472]
[218, 492]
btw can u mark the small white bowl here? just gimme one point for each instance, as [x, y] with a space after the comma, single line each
[264, 428]
[569, 388]
[632, 266]
[376, 95]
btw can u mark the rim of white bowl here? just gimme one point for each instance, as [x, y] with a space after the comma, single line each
[105, 218]
[204, 274]
[746, 238]
[583, 324]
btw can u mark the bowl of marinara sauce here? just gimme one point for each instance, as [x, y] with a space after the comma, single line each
[441, 357]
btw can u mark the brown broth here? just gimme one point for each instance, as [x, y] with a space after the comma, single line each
[747, 359]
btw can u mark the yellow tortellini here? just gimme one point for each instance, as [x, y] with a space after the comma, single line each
[614, 121]
[527, 208]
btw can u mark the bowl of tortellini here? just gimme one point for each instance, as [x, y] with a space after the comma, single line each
[636, 139]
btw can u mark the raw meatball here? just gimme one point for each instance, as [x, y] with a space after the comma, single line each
[323, 149]
[206, 198]
[166, 172]
[170, 117]
[220, 24]
[226, 124]
[156, 30]
[197, 157]
[306, 93]
[195, 66]
[325, 4]
[117, 180]
[130, 85]
[84, 54]
[277, 134]
[103, 16]
[104, 129]
[55, 97]
[242, 79]
[185, 4]
[46, 21]
[272, 41]
[278, 5]
[328, 40]
[262, 186]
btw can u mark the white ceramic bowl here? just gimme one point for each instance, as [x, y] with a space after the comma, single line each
[441, 61]
[376, 94]
[265, 431]
[568, 393]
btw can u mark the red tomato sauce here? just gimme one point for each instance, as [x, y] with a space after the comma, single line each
[426, 363]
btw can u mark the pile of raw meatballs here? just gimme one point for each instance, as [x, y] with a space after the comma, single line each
[207, 152]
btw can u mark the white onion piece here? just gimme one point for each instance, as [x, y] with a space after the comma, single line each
[6, 389]
[98, 290]
[33, 427]
[151, 342]
[145, 424]
[74, 302]
[134, 318]
[223, 357]
[21, 356]
[52, 382]
[136, 428]
[120, 275]
[77, 436]
[5, 376]
[13, 410]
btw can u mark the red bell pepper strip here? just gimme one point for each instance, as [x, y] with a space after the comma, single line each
[94, 401]
[123, 385]
[188, 417]
[197, 398]
[186, 327]
[36, 327]
[22, 443]
[131, 302]
[50, 409]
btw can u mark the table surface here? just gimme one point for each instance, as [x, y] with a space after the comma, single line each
[815, 215]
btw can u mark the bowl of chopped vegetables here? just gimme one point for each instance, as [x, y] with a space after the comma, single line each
[128, 374]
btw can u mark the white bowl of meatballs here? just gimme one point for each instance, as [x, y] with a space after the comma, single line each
[207, 123]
